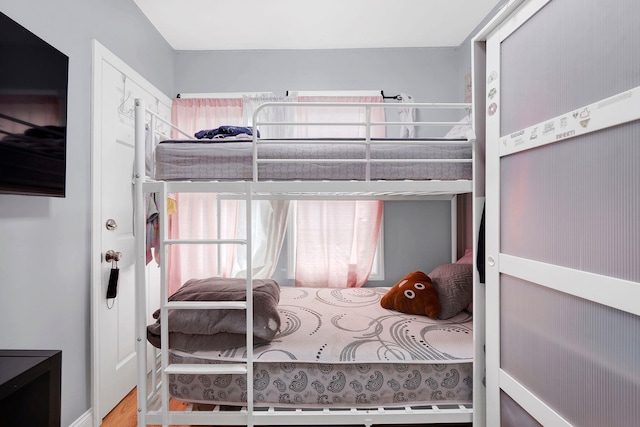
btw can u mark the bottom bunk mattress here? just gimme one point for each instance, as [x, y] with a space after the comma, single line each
[339, 348]
[197, 160]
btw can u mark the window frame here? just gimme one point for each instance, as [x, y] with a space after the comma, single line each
[377, 269]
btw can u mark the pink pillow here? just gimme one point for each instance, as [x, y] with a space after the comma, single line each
[467, 258]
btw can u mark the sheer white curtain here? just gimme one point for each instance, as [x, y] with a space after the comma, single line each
[346, 114]
[194, 114]
[272, 114]
[336, 241]
[268, 231]
[197, 215]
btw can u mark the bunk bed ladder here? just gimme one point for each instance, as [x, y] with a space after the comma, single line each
[167, 368]
[161, 191]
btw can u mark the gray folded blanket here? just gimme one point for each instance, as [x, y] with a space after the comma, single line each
[192, 330]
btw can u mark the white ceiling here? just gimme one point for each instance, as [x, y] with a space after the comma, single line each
[306, 24]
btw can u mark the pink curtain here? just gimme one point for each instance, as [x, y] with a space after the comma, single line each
[196, 214]
[346, 114]
[335, 249]
[336, 241]
[196, 217]
[195, 114]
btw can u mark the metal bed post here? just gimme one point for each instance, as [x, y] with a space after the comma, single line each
[164, 298]
[219, 233]
[151, 134]
[249, 298]
[454, 228]
[368, 141]
[254, 139]
[140, 259]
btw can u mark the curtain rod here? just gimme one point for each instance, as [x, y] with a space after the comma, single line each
[364, 92]
[311, 93]
[396, 97]
[222, 94]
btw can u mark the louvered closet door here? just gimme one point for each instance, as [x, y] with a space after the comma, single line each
[563, 215]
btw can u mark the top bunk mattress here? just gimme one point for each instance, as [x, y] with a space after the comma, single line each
[321, 160]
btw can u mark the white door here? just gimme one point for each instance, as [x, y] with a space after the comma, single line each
[115, 87]
[562, 215]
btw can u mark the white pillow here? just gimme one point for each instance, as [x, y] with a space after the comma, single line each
[460, 131]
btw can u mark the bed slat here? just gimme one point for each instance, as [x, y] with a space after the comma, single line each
[227, 368]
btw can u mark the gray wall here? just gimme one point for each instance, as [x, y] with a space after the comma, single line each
[45, 242]
[428, 74]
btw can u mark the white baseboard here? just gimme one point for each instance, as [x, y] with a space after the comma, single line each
[85, 420]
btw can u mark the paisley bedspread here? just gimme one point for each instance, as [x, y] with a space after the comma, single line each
[340, 348]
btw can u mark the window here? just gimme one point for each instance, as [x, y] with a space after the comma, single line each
[336, 243]
[377, 269]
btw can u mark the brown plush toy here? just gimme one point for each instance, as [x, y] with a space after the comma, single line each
[413, 294]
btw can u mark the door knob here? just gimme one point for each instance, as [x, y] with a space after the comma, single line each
[112, 256]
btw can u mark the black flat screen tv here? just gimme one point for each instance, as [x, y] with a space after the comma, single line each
[33, 113]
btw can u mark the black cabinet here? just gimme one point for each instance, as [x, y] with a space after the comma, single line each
[30, 388]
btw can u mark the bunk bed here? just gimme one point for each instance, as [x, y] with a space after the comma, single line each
[428, 376]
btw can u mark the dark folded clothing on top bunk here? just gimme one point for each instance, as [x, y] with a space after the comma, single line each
[218, 329]
[225, 132]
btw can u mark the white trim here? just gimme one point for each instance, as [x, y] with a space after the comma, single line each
[492, 231]
[225, 95]
[612, 111]
[85, 420]
[96, 209]
[617, 293]
[479, 330]
[486, 404]
[520, 16]
[503, 13]
[531, 403]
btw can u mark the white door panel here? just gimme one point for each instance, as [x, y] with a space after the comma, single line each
[115, 362]
[562, 276]
[117, 342]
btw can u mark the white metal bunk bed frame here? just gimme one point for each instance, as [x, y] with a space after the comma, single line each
[254, 190]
